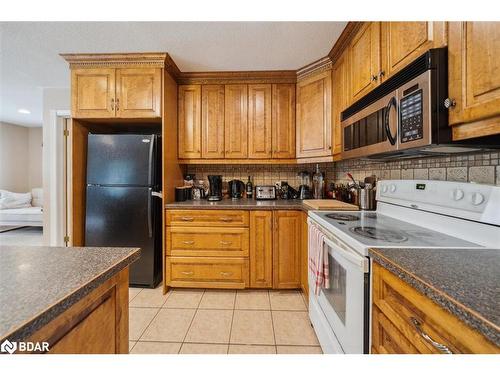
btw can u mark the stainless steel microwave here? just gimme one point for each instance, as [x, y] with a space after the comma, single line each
[406, 116]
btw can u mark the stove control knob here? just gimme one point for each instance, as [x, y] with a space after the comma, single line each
[392, 188]
[384, 188]
[477, 199]
[457, 194]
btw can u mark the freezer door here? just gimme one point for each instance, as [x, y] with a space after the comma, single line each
[125, 216]
[121, 159]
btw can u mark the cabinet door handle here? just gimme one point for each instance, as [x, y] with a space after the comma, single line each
[187, 218]
[117, 104]
[226, 243]
[112, 104]
[188, 242]
[374, 78]
[449, 103]
[418, 327]
[226, 274]
[381, 74]
[226, 219]
[188, 273]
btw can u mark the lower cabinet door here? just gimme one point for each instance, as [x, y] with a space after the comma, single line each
[207, 272]
[286, 249]
[261, 249]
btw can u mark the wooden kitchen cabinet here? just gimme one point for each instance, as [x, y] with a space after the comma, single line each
[283, 121]
[261, 249]
[364, 60]
[340, 98]
[212, 121]
[304, 255]
[287, 249]
[189, 121]
[314, 96]
[93, 93]
[399, 312]
[259, 121]
[474, 78]
[138, 93]
[118, 92]
[403, 42]
[236, 121]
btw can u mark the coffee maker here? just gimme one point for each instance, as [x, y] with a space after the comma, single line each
[214, 188]
[305, 185]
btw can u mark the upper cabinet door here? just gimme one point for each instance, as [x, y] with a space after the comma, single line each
[340, 95]
[189, 121]
[236, 121]
[314, 95]
[403, 42]
[474, 73]
[93, 93]
[283, 121]
[138, 93]
[259, 121]
[212, 121]
[364, 60]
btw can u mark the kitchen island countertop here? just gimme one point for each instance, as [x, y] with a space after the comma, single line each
[37, 283]
[465, 282]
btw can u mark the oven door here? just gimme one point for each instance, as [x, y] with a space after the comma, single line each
[344, 302]
[373, 130]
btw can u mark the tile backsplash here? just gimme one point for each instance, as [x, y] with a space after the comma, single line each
[482, 168]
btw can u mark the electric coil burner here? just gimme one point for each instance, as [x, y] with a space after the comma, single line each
[387, 235]
[342, 217]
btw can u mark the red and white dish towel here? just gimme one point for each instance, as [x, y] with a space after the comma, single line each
[318, 259]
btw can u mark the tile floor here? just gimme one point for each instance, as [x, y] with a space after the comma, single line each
[197, 321]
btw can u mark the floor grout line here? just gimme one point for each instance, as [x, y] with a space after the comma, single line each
[192, 320]
[272, 324]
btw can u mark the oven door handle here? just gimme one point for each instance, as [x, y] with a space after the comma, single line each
[350, 255]
[390, 137]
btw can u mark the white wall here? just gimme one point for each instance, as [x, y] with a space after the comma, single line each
[20, 157]
[35, 144]
[54, 99]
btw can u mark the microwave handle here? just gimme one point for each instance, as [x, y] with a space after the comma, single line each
[392, 102]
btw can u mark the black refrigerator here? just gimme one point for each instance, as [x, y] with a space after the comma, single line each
[123, 202]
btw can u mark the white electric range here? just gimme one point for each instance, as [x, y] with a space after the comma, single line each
[410, 214]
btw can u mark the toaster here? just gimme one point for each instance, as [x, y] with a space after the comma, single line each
[265, 192]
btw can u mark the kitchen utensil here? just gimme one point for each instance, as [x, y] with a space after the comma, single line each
[366, 197]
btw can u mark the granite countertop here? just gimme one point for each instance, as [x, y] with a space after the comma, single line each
[464, 282]
[38, 283]
[239, 204]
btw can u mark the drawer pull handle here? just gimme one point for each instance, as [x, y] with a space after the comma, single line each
[226, 274]
[188, 242]
[225, 243]
[418, 327]
[187, 218]
[226, 219]
[188, 273]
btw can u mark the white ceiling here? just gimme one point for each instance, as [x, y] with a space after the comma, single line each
[30, 61]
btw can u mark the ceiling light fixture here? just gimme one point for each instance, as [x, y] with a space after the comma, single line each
[24, 111]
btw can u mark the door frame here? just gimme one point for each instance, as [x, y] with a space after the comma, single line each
[56, 176]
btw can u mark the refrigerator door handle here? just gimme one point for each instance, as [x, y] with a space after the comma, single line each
[150, 162]
[157, 194]
[150, 225]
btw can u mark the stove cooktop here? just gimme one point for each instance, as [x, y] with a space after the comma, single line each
[372, 229]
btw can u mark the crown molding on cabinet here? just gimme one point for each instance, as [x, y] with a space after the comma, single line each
[344, 40]
[116, 60]
[315, 67]
[237, 77]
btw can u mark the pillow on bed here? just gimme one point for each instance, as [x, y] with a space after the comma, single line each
[9, 199]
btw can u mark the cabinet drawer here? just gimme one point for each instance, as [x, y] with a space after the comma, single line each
[413, 315]
[228, 218]
[207, 241]
[207, 272]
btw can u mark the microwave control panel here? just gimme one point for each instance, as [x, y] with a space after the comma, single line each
[412, 119]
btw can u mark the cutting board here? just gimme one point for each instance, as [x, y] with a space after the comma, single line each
[329, 204]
